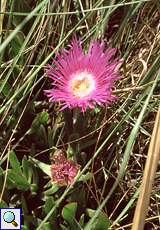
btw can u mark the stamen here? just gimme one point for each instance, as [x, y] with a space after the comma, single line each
[82, 84]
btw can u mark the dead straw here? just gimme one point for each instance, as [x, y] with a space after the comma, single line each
[148, 177]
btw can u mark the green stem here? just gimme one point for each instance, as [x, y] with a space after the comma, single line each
[7, 31]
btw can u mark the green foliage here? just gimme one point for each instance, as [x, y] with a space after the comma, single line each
[48, 206]
[73, 147]
[14, 162]
[16, 180]
[68, 212]
[44, 167]
[20, 6]
[101, 223]
[41, 119]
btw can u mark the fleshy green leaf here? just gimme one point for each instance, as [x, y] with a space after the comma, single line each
[7, 89]
[35, 221]
[102, 223]
[81, 222]
[73, 148]
[16, 180]
[78, 196]
[15, 162]
[25, 167]
[32, 152]
[81, 122]
[63, 227]
[52, 190]
[50, 139]
[34, 187]
[43, 136]
[24, 206]
[20, 6]
[49, 226]
[48, 206]
[42, 118]
[85, 177]
[44, 167]
[3, 204]
[24, 211]
[16, 44]
[24, 227]
[68, 213]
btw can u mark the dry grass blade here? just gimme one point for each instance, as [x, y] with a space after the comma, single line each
[148, 177]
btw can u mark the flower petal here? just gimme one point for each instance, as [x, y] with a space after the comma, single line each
[74, 62]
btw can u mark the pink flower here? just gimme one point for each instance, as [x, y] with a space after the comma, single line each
[63, 172]
[83, 78]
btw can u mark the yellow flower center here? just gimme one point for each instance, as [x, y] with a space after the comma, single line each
[82, 84]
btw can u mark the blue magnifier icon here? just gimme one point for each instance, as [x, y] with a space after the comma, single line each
[9, 217]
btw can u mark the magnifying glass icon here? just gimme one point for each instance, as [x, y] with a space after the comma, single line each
[9, 217]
